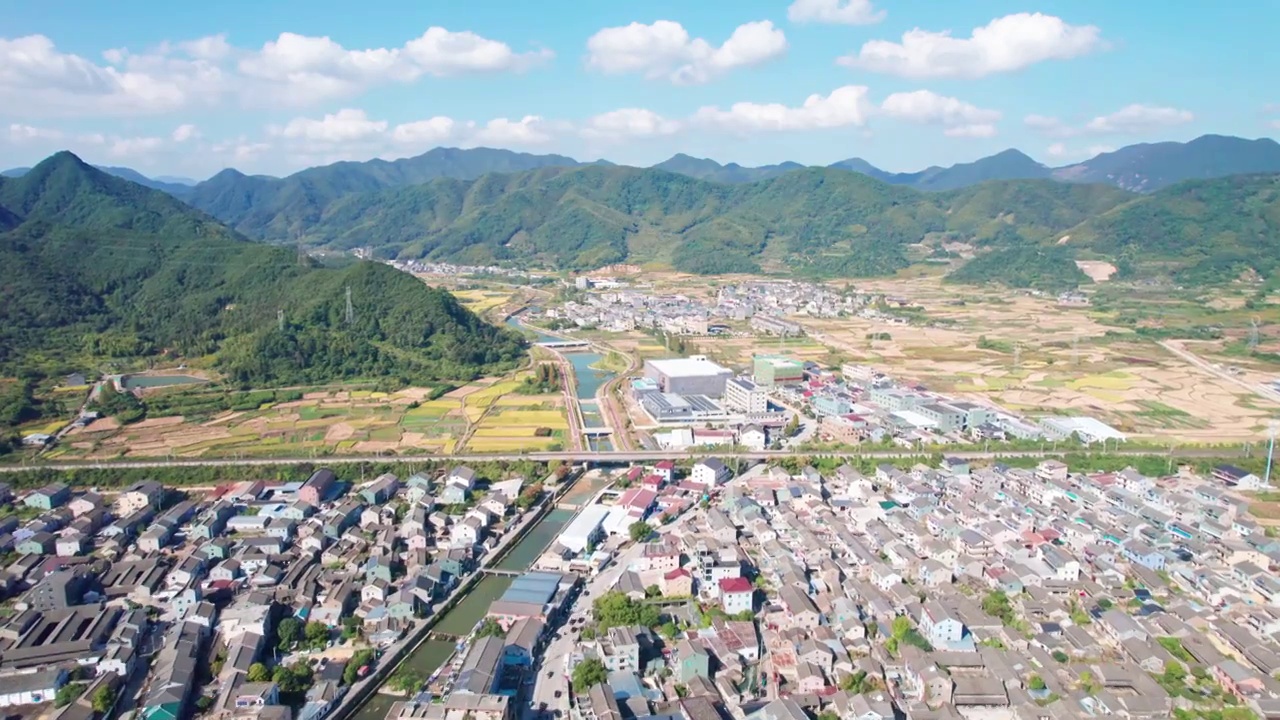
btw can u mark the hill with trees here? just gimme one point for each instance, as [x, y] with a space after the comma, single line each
[94, 269]
[815, 221]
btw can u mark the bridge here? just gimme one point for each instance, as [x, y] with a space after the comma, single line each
[503, 573]
[564, 344]
[597, 431]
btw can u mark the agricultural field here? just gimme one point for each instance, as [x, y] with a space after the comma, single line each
[1027, 354]
[481, 301]
[504, 421]
[336, 422]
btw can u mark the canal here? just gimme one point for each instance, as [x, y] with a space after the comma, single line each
[431, 654]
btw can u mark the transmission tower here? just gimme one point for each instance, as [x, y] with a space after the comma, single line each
[1253, 335]
[351, 313]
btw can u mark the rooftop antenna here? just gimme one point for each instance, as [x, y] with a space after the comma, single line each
[351, 313]
[1253, 335]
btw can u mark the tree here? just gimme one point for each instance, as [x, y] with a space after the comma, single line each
[1060, 656]
[639, 531]
[615, 609]
[259, 673]
[490, 628]
[350, 627]
[405, 680]
[668, 630]
[1036, 683]
[294, 678]
[793, 426]
[67, 694]
[103, 698]
[287, 632]
[317, 635]
[653, 591]
[360, 659]
[828, 715]
[588, 673]
[996, 604]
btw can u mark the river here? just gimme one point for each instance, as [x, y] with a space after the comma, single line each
[431, 654]
[586, 379]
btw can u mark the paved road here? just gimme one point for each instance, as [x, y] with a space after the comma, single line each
[556, 656]
[1177, 349]
[619, 456]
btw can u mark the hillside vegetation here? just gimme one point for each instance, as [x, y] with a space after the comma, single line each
[94, 268]
[816, 221]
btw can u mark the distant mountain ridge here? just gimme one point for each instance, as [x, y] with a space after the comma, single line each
[174, 186]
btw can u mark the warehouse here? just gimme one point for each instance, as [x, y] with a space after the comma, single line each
[688, 376]
[536, 595]
[585, 529]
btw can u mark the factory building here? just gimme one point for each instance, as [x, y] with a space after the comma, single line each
[770, 371]
[688, 376]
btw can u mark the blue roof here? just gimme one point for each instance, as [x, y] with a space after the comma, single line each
[536, 587]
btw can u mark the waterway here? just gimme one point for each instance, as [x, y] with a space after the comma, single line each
[131, 382]
[431, 654]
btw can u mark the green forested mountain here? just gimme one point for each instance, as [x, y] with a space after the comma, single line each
[705, 169]
[1044, 267]
[814, 220]
[1201, 231]
[94, 267]
[1148, 167]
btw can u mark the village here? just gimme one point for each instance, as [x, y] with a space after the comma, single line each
[675, 589]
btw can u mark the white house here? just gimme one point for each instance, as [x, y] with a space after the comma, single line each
[939, 626]
[710, 472]
[736, 595]
[753, 437]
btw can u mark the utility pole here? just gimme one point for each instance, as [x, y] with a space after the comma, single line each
[1253, 335]
[1271, 449]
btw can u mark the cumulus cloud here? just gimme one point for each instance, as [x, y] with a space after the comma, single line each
[425, 132]
[844, 106]
[37, 79]
[837, 12]
[346, 125]
[528, 130]
[665, 50]
[1006, 44]
[629, 123]
[957, 118]
[185, 132]
[1133, 119]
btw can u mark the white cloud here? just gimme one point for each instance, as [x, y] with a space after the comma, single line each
[958, 118]
[528, 130]
[1135, 119]
[134, 147]
[845, 106]
[629, 123]
[1005, 44]
[186, 132]
[425, 132]
[1057, 150]
[37, 79]
[346, 125]
[21, 133]
[665, 50]
[838, 12]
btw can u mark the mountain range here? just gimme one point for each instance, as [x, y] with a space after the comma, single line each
[1145, 167]
[95, 267]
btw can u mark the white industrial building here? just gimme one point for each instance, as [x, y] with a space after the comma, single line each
[688, 376]
[1088, 429]
[585, 529]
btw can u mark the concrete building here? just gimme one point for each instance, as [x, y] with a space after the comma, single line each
[585, 530]
[770, 371]
[744, 395]
[688, 376]
[317, 487]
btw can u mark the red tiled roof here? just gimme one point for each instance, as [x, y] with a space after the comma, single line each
[735, 585]
[666, 465]
[677, 573]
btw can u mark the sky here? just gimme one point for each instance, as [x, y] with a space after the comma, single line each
[187, 89]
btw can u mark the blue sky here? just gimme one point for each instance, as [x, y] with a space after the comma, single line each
[189, 88]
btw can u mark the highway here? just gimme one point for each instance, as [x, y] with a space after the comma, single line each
[613, 456]
[1262, 391]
